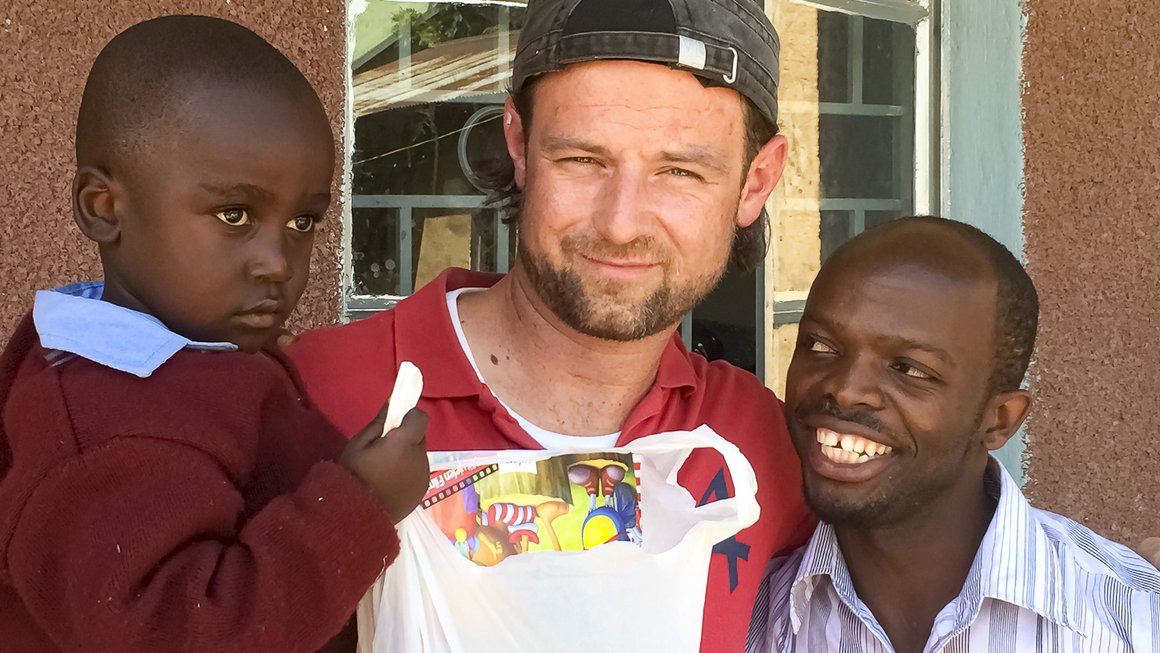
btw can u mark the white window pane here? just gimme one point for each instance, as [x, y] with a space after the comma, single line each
[427, 79]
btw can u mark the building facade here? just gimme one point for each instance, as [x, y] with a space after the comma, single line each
[1032, 120]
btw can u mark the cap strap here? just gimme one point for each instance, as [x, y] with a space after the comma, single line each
[691, 53]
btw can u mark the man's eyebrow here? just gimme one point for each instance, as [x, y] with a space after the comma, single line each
[900, 342]
[697, 154]
[558, 143]
[890, 342]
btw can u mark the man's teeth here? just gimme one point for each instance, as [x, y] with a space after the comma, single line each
[849, 449]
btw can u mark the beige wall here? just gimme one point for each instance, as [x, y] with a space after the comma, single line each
[795, 207]
[1092, 230]
[46, 49]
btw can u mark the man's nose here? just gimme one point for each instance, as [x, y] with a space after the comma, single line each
[268, 260]
[854, 382]
[624, 210]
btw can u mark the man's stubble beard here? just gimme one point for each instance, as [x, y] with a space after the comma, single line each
[899, 501]
[603, 309]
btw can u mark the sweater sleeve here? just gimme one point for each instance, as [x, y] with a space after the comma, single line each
[141, 545]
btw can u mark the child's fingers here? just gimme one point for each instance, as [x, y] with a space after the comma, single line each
[413, 429]
[372, 430]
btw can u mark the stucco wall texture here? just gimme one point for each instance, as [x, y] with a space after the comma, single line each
[46, 49]
[1092, 113]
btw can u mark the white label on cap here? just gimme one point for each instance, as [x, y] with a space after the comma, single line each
[692, 53]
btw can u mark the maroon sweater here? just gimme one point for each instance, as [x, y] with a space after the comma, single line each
[194, 510]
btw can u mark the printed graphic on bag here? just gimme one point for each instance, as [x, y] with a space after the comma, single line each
[571, 502]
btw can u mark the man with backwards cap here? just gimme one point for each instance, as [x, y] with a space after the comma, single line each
[643, 146]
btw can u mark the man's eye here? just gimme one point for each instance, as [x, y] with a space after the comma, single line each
[819, 347]
[681, 172]
[911, 371]
[234, 217]
[303, 224]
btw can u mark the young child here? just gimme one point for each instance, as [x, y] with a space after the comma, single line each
[164, 483]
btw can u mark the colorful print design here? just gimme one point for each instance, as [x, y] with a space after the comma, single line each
[571, 502]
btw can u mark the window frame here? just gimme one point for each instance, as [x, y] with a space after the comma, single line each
[354, 305]
[774, 308]
[779, 308]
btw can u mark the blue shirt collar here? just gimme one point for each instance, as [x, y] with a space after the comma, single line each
[73, 319]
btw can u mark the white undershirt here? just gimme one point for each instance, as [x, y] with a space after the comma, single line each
[549, 440]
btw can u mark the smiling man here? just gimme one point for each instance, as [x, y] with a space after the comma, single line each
[642, 143]
[911, 351]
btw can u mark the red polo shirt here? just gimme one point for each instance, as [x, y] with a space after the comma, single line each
[349, 371]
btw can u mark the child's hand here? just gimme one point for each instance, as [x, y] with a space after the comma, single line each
[393, 466]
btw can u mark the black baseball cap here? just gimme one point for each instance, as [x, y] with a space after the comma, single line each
[728, 43]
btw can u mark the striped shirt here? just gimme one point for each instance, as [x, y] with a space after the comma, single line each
[1039, 582]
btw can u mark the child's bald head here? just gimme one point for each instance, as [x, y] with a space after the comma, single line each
[144, 78]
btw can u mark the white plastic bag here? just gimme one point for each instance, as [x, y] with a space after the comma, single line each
[616, 596]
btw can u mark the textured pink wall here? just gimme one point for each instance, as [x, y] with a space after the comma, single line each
[46, 49]
[1092, 227]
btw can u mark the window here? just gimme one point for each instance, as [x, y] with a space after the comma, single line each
[428, 79]
[856, 112]
[428, 83]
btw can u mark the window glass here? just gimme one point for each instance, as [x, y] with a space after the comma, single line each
[847, 108]
[428, 85]
[429, 79]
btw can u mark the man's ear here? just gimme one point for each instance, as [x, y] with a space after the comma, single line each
[513, 134]
[94, 207]
[1004, 415]
[761, 178]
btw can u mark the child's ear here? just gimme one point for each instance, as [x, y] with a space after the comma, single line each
[93, 205]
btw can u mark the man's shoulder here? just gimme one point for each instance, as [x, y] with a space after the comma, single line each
[349, 339]
[423, 314]
[772, 608]
[1095, 559]
[732, 388]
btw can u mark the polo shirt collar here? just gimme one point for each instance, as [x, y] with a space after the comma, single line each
[424, 332]
[75, 320]
[425, 336]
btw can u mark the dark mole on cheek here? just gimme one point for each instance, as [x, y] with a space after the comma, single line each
[494, 360]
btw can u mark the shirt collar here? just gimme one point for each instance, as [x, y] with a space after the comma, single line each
[1014, 543]
[424, 329]
[74, 319]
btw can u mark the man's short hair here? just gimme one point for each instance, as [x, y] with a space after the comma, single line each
[137, 81]
[1016, 301]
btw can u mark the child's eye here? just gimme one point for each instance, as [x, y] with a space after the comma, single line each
[234, 217]
[303, 223]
